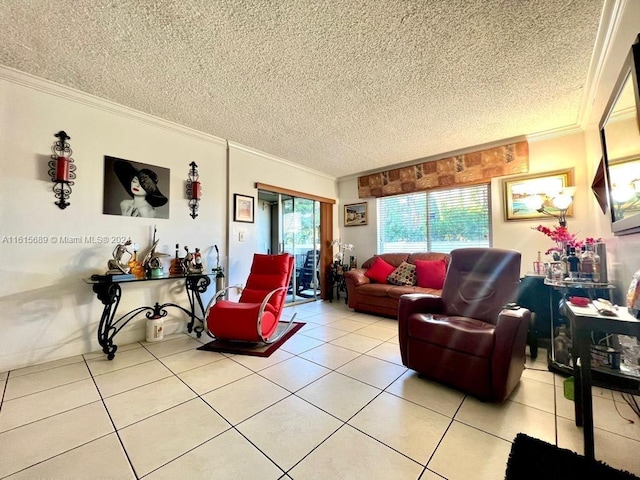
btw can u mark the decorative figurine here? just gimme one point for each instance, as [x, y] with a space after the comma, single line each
[134, 265]
[197, 262]
[186, 261]
[116, 265]
[152, 263]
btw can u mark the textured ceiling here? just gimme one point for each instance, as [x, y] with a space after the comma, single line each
[338, 86]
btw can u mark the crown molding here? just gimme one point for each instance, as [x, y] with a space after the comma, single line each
[555, 133]
[46, 86]
[279, 160]
[610, 21]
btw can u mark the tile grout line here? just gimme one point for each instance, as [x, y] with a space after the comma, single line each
[4, 390]
[444, 434]
[115, 429]
[293, 393]
[199, 396]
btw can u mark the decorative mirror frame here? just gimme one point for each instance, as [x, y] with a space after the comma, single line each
[631, 67]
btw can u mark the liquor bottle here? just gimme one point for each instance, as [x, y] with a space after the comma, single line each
[596, 276]
[565, 263]
[586, 262]
[538, 266]
[175, 267]
[574, 264]
[600, 250]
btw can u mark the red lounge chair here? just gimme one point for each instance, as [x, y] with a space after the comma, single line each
[255, 317]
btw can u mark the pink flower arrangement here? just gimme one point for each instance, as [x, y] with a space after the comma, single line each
[563, 237]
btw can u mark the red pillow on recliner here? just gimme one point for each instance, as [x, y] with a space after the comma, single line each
[431, 273]
[379, 271]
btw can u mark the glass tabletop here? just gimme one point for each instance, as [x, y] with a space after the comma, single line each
[577, 283]
[126, 278]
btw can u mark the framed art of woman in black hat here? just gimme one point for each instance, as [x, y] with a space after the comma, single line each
[142, 187]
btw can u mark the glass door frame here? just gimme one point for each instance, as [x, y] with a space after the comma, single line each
[326, 207]
[291, 221]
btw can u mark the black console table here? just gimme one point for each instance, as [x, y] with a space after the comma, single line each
[584, 321]
[108, 290]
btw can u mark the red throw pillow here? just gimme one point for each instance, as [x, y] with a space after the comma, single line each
[431, 273]
[379, 271]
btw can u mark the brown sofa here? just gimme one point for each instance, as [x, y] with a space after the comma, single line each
[381, 298]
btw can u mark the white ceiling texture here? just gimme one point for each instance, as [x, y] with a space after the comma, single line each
[339, 86]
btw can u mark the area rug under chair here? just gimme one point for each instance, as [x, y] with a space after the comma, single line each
[531, 458]
[253, 349]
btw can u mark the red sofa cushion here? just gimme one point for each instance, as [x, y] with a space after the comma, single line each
[379, 271]
[431, 273]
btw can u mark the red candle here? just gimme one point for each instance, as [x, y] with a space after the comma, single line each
[62, 169]
[195, 190]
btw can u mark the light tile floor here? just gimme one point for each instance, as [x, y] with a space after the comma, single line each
[333, 402]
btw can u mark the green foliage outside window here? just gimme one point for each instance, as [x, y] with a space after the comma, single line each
[439, 220]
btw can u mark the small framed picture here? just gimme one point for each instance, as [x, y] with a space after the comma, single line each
[355, 214]
[242, 208]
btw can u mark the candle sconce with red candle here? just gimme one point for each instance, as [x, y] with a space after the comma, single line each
[194, 189]
[62, 169]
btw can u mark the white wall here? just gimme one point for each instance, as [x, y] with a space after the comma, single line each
[363, 237]
[47, 311]
[545, 155]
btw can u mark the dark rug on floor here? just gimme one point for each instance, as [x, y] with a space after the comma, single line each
[531, 458]
[254, 349]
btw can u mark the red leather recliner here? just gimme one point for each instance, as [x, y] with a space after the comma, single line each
[255, 317]
[465, 338]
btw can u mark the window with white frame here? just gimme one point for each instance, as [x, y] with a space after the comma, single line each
[435, 220]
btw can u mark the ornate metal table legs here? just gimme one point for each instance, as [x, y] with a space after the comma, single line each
[194, 287]
[110, 293]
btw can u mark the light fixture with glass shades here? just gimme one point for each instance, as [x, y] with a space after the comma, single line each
[560, 200]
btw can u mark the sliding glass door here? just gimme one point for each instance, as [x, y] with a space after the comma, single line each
[295, 229]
